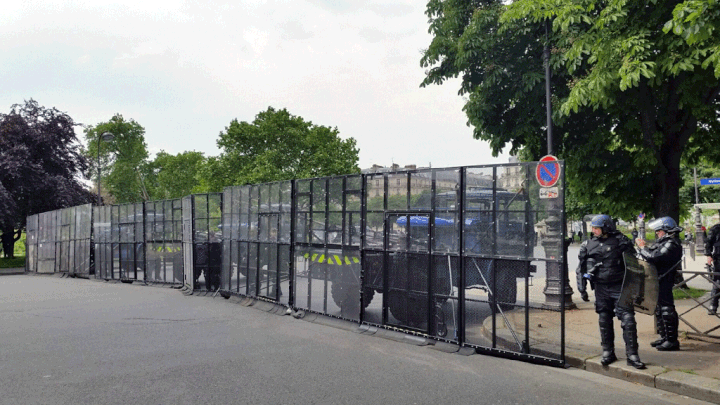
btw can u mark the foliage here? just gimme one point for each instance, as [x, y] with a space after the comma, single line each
[278, 146]
[174, 176]
[41, 162]
[634, 89]
[706, 194]
[123, 160]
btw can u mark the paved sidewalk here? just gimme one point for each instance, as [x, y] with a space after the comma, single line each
[693, 371]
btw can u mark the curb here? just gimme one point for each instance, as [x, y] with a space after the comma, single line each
[678, 382]
[12, 271]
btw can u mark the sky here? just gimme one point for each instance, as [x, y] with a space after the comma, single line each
[185, 69]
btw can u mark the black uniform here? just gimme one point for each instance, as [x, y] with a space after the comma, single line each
[712, 248]
[603, 258]
[666, 254]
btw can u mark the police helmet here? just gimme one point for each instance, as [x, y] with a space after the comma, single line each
[666, 224]
[603, 222]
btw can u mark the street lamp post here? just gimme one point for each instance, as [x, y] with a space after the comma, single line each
[557, 287]
[107, 137]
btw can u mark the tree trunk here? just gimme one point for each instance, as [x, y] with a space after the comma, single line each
[8, 241]
[666, 198]
[9, 237]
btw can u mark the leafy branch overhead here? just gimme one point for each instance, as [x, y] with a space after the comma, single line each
[635, 88]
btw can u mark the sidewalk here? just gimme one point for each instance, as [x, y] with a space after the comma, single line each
[693, 371]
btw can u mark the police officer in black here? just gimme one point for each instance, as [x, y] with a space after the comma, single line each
[603, 264]
[666, 254]
[712, 251]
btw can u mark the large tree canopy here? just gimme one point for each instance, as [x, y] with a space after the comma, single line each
[123, 160]
[174, 176]
[278, 146]
[40, 164]
[635, 89]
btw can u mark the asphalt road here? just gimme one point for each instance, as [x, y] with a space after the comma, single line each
[73, 341]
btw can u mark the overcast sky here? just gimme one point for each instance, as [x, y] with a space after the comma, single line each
[184, 70]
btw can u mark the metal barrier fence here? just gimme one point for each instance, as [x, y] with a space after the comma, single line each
[453, 254]
[59, 241]
[163, 242]
[256, 228]
[119, 236]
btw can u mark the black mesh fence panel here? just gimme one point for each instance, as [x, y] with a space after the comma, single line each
[327, 258]
[163, 238]
[256, 241]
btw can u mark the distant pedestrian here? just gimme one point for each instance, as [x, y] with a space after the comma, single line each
[666, 254]
[634, 233]
[602, 263]
[580, 236]
[712, 251]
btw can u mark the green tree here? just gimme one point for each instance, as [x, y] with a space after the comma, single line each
[123, 160]
[634, 88]
[278, 146]
[175, 176]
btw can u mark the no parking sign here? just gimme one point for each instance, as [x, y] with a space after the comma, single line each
[547, 172]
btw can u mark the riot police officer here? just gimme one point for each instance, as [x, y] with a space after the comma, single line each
[712, 251]
[666, 254]
[603, 264]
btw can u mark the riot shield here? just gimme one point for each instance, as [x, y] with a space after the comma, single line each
[640, 286]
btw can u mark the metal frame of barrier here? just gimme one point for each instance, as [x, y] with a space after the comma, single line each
[163, 239]
[256, 241]
[714, 279]
[59, 241]
[449, 254]
[201, 240]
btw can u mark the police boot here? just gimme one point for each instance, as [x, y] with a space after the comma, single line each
[670, 320]
[629, 327]
[659, 328]
[715, 294]
[607, 338]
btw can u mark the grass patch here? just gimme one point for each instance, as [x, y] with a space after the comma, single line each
[17, 261]
[687, 292]
[684, 370]
[19, 248]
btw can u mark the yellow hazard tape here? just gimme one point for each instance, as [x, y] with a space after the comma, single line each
[320, 258]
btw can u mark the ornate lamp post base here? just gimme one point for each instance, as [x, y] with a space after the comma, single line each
[554, 270]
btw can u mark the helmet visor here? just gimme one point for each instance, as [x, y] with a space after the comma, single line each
[655, 224]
